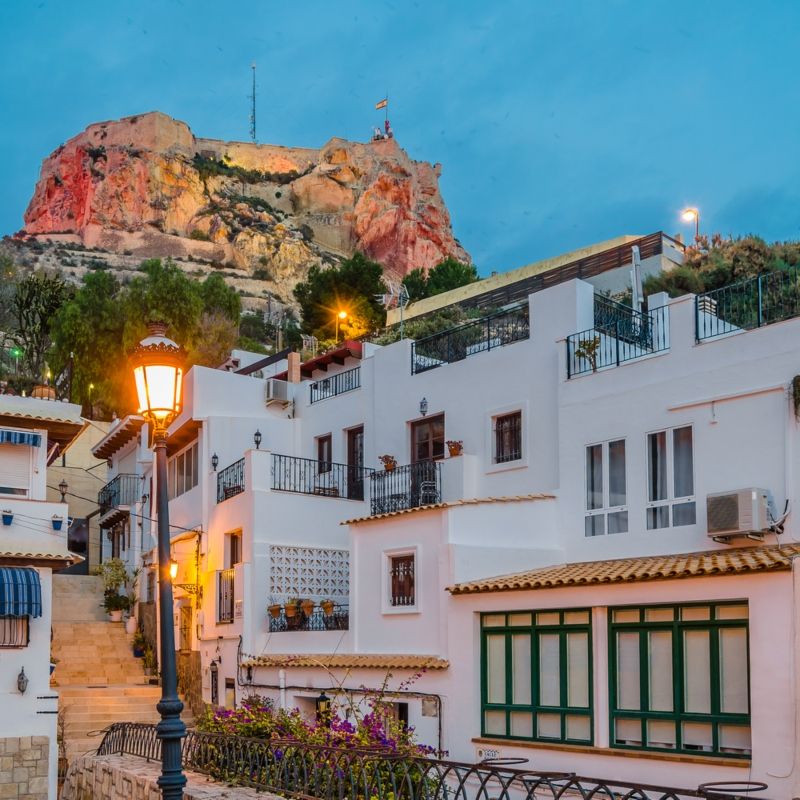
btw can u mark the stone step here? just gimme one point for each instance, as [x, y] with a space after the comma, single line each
[106, 692]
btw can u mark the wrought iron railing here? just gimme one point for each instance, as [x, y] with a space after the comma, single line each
[752, 303]
[336, 619]
[230, 481]
[226, 582]
[470, 338]
[324, 478]
[328, 773]
[124, 490]
[409, 486]
[619, 335]
[337, 384]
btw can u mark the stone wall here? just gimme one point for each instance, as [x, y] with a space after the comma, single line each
[190, 680]
[24, 767]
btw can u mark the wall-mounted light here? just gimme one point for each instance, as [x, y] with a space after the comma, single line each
[22, 681]
[323, 703]
[257, 438]
[62, 487]
[173, 569]
[214, 462]
[249, 674]
[423, 406]
[145, 498]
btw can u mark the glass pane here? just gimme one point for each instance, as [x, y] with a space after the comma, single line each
[521, 669]
[657, 517]
[732, 612]
[659, 614]
[519, 619]
[657, 466]
[683, 468]
[660, 670]
[578, 670]
[548, 726]
[734, 738]
[496, 669]
[661, 733]
[733, 670]
[578, 727]
[683, 514]
[594, 476]
[495, 722]
[493, 620]
[181, 476]
[548, 618]
[695, 613]
[595, 525]
[618, 522]
[628, 691]
[522, 724]
[616, 473]
[697, 736]
[697, 672]
[194, 466]
[549, 670]
[628, 731]
[626, 615]
[576, 617]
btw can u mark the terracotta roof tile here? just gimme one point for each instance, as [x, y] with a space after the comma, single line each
[118, 436]
[645, 568]
[351, 660]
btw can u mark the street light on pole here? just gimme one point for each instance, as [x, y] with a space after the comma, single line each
[692, 214]
[158, 370]
[340, 316]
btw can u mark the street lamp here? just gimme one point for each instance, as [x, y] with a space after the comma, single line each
[158, 370]
[341, 316]
[62, 487]
[692, 214]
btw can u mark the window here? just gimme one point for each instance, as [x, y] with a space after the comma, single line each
[324, 453]
[234, 549]
[536, 675]
[679, 678]
[670, 478]
[427, 439]
[606, 490]
[508, 437]
[14, 632]
[15, 469]
[182, 472]
[401, 585]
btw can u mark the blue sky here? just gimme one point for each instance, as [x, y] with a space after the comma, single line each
[558, 124]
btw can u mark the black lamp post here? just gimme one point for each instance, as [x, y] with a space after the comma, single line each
[257, 438]
[158, 370]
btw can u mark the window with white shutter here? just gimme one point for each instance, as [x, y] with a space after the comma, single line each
[15, 469]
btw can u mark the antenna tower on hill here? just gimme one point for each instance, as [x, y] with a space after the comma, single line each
[253, 105]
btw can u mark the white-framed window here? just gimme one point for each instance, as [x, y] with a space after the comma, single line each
[670, 478]
[15, 469]
[507, 437]
[606, 489]
[14, 631]
[401, 585]
[182, 471]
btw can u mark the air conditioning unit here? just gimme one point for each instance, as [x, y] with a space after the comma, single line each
[741, 513]
[278, 391]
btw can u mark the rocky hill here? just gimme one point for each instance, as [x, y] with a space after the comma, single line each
[145, 186]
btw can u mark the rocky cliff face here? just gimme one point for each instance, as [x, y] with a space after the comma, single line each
[146, 186]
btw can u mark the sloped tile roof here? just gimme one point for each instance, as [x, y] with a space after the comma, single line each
[351, 660]
[118, 436]
[646, 568]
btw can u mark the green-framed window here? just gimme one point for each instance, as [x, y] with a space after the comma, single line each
[536, 675]
[679, 678]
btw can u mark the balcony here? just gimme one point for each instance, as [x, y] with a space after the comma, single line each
[116, 498]
[225, 595]
[230, 481]
[337, 384]
[335, 619]
[409, 486]
[466, 340]
[768, 298]
[323, 478]
[620, 334]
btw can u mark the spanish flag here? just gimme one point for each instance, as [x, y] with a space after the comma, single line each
[382, 104]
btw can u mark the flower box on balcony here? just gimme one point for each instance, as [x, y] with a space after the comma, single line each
[8, 516]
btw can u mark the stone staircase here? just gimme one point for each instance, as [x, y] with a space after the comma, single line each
[97, 678]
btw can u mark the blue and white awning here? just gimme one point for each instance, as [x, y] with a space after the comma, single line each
[20, 592]
[20, 437]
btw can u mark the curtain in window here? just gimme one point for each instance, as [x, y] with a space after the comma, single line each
[549, 670]
[683, 467]
[616, 474]
[628, 687]
[594, 476]
[496, 669]
[657, 466]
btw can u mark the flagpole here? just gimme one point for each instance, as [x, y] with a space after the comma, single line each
[387, 106]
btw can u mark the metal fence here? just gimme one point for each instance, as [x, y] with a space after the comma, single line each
[409, 486]
[124, 490]
[470, 338]
[752, 303]
[618, 336]
[327, 773]
[311, 476]
[226, 582]
[338, 619]
[230, 481]
[337, 384]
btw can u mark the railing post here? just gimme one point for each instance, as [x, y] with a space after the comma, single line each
[569, 365]
[616, 338]
[760, 301]
[697, 318]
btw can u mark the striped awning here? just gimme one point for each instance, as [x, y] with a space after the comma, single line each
[20, 437]
[20, 592]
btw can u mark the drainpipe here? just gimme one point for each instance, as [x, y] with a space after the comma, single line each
[282, 687]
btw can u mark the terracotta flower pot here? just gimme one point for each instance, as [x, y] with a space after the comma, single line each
[327, 607]
[308, 607]
[274, 610]
[291, 609]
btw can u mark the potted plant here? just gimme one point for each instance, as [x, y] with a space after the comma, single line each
[58, 521]
[455, 446]
[8, 516]
[327, 607]
[389, 462]
[130, 591]
[291, 608]
[308, 607]
[115, 603]
[274, 610]
[139, 644]
[587, 348]
[149, 661]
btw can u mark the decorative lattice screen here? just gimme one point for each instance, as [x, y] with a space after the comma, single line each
[313, 572]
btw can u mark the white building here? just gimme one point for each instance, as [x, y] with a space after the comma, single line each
[624, 641]
[33, 544]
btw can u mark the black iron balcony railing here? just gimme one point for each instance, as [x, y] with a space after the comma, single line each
[470, 338]
[230, 481]
[752, 303]
[620, 334]
[337, 384]
[409, 486]
[291, 769]
[325, 478]
[124, 490]
[319, 619]
[226, 579]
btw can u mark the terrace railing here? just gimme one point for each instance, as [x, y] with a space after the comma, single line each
[230, 481]
[752, 303]
[456, 344]
[337, 620]
[292, 769]
[124, 490]
[337, 384]
[409, 486]
[325, 478]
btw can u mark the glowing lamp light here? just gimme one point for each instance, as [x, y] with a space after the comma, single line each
[173, 570]
[689, 214]
[342, 315]
[158, 371]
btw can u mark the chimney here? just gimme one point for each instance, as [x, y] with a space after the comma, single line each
[293, 369]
